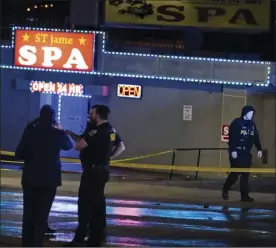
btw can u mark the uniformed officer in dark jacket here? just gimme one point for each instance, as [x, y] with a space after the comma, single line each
[40, 147]
[118, 148]
[243, 134]
[99, 143]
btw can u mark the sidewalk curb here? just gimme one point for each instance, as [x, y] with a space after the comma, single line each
[16, 242]
[205, 201]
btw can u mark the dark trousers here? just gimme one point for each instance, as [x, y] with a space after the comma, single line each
[91, 222]
[47, 225]
[37, 202]
[92, 206]
[244, 160]
[104, 220]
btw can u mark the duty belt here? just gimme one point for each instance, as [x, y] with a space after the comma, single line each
[94, 167]
[98, 167]
[243, 148]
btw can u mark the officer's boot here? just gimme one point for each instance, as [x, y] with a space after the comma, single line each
[50, 230]
[75, 243]
[78, 241]
[104, 233]
[231, 179]
[97, 237]
[244, 187]
[247, 199]
[94, 241]
[225, 195]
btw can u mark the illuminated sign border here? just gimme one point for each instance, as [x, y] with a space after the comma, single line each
[57, 31]
[219, 60]
[59, 97]
[129, 85]
[57, 93]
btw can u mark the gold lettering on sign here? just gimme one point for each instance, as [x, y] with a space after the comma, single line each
[52, 39]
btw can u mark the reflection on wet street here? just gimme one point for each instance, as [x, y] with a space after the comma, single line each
[144, 223]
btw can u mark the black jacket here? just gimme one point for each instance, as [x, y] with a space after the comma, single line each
[244, 133]
[40, 147]
[84, 153]
[101, 141]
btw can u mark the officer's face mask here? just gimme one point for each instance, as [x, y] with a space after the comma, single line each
[249, 115]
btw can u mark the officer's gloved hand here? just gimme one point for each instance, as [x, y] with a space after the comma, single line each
[58, 126]
[234, 154]
[259, 154]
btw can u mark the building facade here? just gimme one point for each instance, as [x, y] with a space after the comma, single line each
[158, 102]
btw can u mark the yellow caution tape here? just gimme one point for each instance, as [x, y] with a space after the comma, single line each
[142, 157]
[70, 160]
[181, 168]
[75, 160]
[194, 168]
[7, 153]
[118, 163]
[12, 162]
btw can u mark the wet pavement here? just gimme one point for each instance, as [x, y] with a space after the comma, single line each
[153, 223]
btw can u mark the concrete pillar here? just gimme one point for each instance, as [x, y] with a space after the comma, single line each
[233, 101]
[269, 132]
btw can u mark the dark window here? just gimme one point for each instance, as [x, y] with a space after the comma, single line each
[28, 13]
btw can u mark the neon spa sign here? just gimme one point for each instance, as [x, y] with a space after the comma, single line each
[56, 88]
[54, 50]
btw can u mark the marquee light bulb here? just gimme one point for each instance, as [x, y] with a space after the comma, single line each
[104, 51]
[59, 97]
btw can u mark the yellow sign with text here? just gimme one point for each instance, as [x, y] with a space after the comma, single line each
[216, 14]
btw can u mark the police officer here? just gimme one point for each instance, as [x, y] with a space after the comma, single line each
[243, 134]
[118, 148]
[40, 147]
[99, 143]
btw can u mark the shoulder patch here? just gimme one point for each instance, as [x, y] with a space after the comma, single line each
[92, 132]
[112, 137]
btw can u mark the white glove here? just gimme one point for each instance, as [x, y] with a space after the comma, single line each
[58, 126]
[259, 154]
[234, 154]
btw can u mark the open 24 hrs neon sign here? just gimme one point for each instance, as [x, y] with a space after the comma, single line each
[56, 88]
